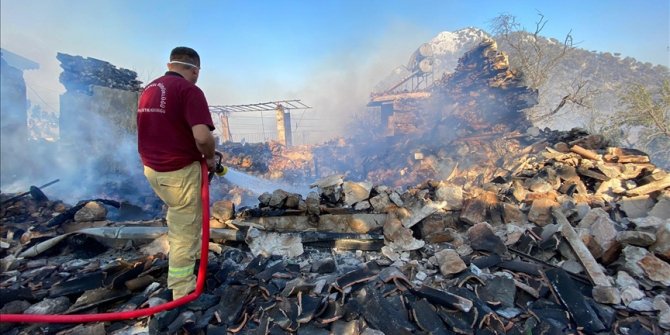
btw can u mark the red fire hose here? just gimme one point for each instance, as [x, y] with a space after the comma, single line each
[80, 318]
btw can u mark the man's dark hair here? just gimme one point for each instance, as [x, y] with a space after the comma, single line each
[186, 55]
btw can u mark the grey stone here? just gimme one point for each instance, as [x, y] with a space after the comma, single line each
[636, 207]
[345, 328]
[363, 205]
[638, 238]
[606, 295]
[661, 305]
[630, 294]
[395, 198]
[539, 185]
[264, 199]
[655, 269]
[662, 207]
[334, 180]
[49, 306]
[278, 199]
[662, 245]
[269, 243]
[572, 266]
[450, 262]
[423, 211]
[293, 201]
[14, 307]
[92, 211]
[380, 203]
[452, 194]
[223, 210]
[324, 266]
[623, 280]
[630, 255]
[642, 305]
[540, 211]
[610, 170]
[355, 192]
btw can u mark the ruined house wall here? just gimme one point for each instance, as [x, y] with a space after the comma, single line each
[13, 117]
[83, 115]
[98, 110]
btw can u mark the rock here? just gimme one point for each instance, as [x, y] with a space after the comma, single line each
[223, 210]
[630, 255]
[513, 215]
[395, 198]
[572, 266]
[324, 266]
[334, 180]
[450, 262]
[662, 207]
[264, 199]
[482, 238]
[363, 205]
[380, 203]
[355, 192]
[602, 230]
[399, 237]
[642, 305]
[637, 238]
[312, 202]
[268, 244]
[15, 307]
[623, 280]
[49, 306]
[662, 245]
[630, 294]
[92, 211]
[539, 185]
[418, 214]
[293, 201]
[278, 199]
[452, 194]
[661, 305]
[655, 269]
[475, 209]
[636, 207]
[345, 328]
[540, 211]
[606, 295]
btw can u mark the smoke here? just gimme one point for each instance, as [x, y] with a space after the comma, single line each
[341, 85]
[95, 156]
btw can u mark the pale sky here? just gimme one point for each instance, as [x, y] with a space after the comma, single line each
[323, 52]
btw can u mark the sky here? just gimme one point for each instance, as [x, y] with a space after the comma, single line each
[328, 53]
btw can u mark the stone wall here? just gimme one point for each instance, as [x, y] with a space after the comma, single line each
[13, 119]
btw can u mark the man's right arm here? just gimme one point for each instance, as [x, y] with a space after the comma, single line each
[204, 140]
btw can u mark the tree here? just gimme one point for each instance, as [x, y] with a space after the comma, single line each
[538, 58]
[647, 113]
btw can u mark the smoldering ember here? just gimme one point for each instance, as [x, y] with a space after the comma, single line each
[460, 217]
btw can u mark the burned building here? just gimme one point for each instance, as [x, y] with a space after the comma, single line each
[13, 109]
[98, 110]
[99, 93]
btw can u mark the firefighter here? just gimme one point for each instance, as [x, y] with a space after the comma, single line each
[174, 131]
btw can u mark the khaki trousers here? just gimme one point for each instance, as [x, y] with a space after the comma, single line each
[180, 190]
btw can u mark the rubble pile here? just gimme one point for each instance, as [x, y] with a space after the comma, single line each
[483, 80]
[80, 73]
[271, 160]
[574, 237]
[480, 225]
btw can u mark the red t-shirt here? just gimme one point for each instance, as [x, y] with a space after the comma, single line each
[168, 108]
